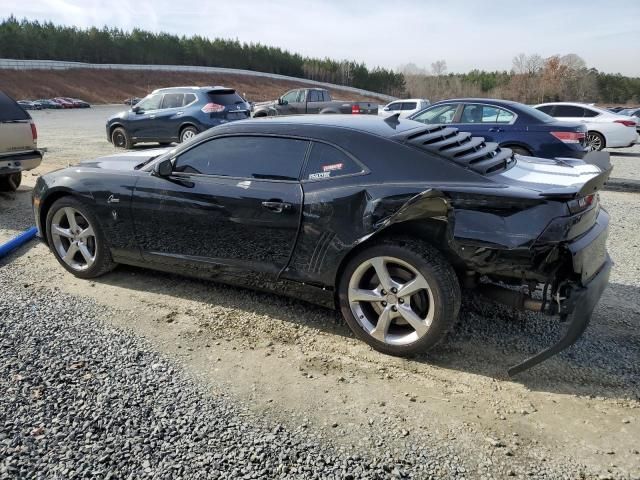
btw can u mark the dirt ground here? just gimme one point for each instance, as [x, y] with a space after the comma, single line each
[299, 365]
[113, 86]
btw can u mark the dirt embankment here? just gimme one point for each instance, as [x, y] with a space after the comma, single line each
[113, 86]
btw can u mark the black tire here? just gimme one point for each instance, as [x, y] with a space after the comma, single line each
[518, 150]
[189, 130]
[121, 138]
[165, 144]
[595, 141]
[10, 182]
[103, 262]
[439, 274]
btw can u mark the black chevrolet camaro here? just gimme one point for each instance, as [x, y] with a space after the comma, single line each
[384, 219]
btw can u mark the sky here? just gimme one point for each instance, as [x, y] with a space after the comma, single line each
[467, 34]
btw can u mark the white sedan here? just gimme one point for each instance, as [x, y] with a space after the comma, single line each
[405, 108]
[604, 128]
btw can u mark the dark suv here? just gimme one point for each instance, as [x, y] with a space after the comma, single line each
[175, 114]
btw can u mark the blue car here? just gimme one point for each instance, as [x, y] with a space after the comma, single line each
[521, 128]
[175, 114]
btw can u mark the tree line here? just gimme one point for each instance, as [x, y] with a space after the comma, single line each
[24, 39]
[532, 79]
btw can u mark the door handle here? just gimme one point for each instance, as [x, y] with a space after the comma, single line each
[277, 206]
[496, 129]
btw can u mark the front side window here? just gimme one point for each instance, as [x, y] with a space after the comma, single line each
[291, 97]
[266, 158]
[152, 102]
[172, 100]
[437, 114]
[326, 161]
[394, 107]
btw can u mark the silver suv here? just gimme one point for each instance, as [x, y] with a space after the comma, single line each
[18, 144]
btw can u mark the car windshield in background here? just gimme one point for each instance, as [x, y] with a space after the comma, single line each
[225, 97]
[10, 110]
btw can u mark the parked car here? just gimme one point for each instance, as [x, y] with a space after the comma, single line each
[313, 207]
[48, 104]
[29, 105]
[175, 114]
[18, 143]
[404, 108]
[615, 109]
[512, 125]
[77, 103]
[604, 128]
[64, 103]
[131, 101]
[303, 101]
[632, 112]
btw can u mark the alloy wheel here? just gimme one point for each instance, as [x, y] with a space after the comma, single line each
[73, 238]
[594, 142]
[188, 135]
[391, 300]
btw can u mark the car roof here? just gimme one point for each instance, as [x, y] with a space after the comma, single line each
[410, 100]
[578, 104]
[497, 101]
[372, 124]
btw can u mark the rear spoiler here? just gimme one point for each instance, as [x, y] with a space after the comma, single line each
[600, 160]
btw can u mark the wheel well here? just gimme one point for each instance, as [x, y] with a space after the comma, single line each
[112, 128]
[44, 210]
[182, 127]
[518, 145]
[259, 114]
[430, 231]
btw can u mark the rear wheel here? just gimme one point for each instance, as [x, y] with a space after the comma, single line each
[187, 134]
[10, 182]
[400, 296]
[121, 139]
[595, 141]
[519, 150]
[76, 239]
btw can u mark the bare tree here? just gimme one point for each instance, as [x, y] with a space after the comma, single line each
[439, 68]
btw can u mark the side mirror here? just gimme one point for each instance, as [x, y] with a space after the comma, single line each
[281, 101]
[136, 109]
[386, 109]
[164, 168]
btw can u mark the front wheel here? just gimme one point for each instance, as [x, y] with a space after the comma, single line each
[10, 182]
[400, 296]
[121, 139]
[595, 141]
[77, 241]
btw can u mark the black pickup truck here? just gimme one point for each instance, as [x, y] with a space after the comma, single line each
[311, 100]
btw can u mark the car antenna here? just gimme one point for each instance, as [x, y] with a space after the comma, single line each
[393, 119]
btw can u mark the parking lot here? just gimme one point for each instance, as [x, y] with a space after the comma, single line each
[297, 367]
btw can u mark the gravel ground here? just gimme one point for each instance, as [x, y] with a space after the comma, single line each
[196, 369]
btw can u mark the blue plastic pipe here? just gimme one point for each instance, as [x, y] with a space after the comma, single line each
[18, 241]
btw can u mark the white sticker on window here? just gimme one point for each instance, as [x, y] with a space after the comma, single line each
[315, 176]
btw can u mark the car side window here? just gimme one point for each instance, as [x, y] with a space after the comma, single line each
[504, 116]
[265, 158]
[437, 114]
[590, 113]
[394, 107]
[325, 96]
[546, 109]
[315, 96]
[189, 98]
[152, 102]
[291, 97]
[172, 100]
[568, 111]
[409, 105]
[301, 96]
[326, 161]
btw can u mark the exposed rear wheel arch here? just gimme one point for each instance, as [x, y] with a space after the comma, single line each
[519, 150]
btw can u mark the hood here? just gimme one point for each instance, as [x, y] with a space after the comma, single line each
[559, 177]
[124, 161]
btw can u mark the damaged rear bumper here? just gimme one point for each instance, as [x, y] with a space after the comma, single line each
[582, 301]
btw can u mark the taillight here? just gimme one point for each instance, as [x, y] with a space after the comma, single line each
[34, 132]
[355, 108]
[212, 108]
[582, 203]
[569, 137]
[626, 123]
